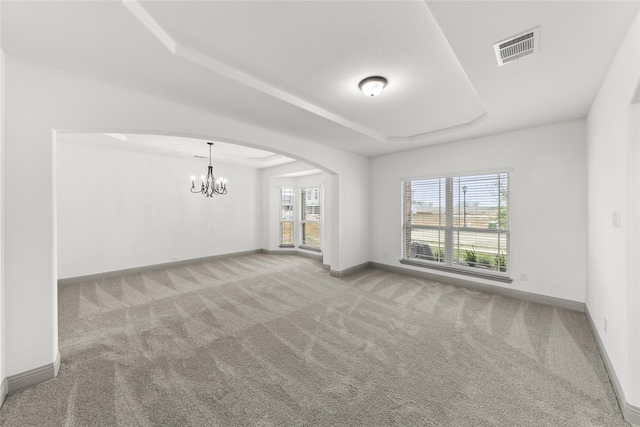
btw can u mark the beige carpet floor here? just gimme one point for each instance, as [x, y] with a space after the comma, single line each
[267, 340]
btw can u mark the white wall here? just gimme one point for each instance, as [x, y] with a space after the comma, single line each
[633, 255]
[2, 299]
[547, 201]
[612, 155]
[327, 184]
[41, 99]
[120, 209]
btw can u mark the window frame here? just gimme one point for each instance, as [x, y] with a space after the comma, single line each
[283, 220]
[449, 229]
[304, 221]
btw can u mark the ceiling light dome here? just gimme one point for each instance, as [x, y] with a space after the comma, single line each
[372, 86]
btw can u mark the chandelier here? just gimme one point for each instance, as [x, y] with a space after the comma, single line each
[209, 185]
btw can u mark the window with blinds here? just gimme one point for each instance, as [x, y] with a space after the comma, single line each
[310, 213]
[458, 224]
[286, 217]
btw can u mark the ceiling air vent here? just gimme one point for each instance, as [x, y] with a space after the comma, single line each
[517, 46]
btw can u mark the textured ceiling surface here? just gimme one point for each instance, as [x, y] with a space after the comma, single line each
[294, 67]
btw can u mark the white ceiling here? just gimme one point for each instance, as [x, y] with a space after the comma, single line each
[295, 66]
[185, 148]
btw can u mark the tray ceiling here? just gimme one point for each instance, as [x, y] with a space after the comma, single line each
[294, 67]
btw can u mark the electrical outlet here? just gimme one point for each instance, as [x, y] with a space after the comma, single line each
[384, 254]
[524, 277]
[617, 219]
[174, 259]
[605, 325]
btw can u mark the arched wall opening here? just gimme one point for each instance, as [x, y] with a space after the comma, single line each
[124, 202]
[40, 101]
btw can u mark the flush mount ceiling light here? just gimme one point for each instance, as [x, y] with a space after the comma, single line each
[209, 185]
[372, 86]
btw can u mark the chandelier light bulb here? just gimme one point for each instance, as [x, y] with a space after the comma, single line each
[372, 86]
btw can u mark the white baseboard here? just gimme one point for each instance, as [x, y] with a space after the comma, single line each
[33, 376]
[469, 283]
[350, 270]
[56, 365]
[135, 270]
[313, 255]
[4, 390]
[631, 413]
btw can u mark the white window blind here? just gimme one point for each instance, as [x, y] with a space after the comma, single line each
[286, 217]
[458, 223]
